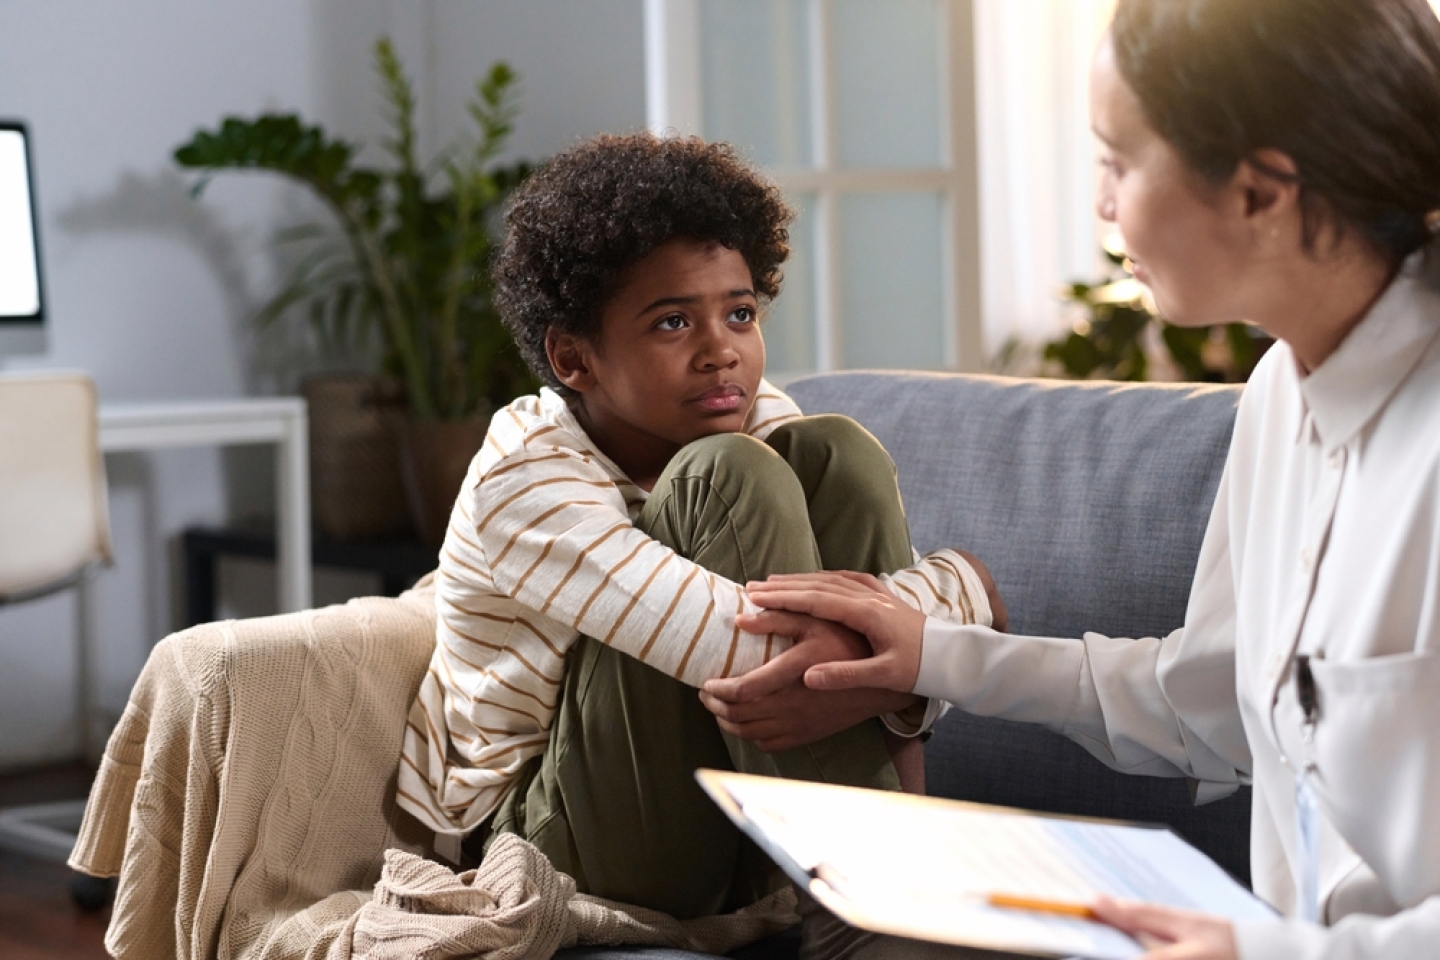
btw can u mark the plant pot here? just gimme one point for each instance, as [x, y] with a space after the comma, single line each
[434, 457]
[356, 490]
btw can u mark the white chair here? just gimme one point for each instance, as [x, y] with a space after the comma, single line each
[54, 529]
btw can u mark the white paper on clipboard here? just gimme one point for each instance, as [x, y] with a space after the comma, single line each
[922, 867]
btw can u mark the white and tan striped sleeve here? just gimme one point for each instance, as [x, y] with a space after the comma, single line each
[945, 586]
[448, 780]
[558, 539]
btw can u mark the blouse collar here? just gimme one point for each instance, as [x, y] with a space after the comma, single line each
[1355, 382]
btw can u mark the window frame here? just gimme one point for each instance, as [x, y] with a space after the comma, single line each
[674, 106]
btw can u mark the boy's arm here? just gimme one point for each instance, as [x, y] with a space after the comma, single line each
[946, 585]
[554, 529]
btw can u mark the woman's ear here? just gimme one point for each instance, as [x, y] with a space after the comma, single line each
[569, 359]
[1270, 184]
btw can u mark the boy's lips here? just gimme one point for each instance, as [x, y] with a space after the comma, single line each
[722, 399]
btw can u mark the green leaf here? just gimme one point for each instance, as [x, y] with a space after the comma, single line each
[406, 256]
[400, 96]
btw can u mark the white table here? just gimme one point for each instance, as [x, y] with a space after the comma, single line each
[278, 420]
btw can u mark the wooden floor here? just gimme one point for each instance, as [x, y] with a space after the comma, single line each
[37, 919]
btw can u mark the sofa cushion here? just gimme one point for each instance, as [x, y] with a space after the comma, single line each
[1088, 502]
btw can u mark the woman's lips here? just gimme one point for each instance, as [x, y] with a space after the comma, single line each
[722, 399]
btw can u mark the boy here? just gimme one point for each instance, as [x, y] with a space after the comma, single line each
[597, 551]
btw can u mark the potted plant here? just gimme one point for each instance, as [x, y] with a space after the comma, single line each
[405, 260]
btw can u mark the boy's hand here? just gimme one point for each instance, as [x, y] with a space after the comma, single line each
[816, 641]
[797, 715]
[772, 707]
[859, 601]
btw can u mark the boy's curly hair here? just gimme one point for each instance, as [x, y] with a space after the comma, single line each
[579, 221]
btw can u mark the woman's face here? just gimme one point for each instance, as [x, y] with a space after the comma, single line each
[1179, 231]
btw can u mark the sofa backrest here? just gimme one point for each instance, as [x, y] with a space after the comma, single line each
[1088, 502]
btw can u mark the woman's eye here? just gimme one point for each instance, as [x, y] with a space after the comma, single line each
[742, 315]
[675, 322]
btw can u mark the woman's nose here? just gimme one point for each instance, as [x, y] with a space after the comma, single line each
[1105, 203]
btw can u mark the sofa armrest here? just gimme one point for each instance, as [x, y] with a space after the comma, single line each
[253, 772]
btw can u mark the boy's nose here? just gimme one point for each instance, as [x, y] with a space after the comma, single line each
[719, 360]
[717, 353]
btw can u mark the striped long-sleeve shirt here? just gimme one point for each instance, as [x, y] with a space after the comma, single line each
[541, 548]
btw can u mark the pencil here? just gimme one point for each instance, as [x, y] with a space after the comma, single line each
[1037, 905]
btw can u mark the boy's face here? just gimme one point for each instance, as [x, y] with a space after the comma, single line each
[679, 356]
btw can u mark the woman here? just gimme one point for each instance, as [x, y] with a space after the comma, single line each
[1276, 161]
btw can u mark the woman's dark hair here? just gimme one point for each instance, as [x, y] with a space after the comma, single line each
[576, 224]
[1348, 89]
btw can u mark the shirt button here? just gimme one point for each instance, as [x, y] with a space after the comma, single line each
[1307, 559]
[1272, 668]
[1337, 459]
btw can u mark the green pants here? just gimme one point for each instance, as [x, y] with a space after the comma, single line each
[613, 801]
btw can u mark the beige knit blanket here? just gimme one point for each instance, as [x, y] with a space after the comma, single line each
[517, 905]
[246, 802]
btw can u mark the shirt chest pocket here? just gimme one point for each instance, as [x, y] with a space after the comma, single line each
[1376, 753]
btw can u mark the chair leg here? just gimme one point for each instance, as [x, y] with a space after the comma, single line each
[92, 894]
[199, 580]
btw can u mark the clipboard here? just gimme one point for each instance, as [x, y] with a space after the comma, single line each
[925, 867]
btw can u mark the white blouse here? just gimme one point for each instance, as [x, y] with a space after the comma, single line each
[1324, 541]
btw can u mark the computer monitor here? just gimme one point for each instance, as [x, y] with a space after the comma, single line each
[22, 298]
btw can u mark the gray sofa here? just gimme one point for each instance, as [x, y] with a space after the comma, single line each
[253, 774]
[1088, 502]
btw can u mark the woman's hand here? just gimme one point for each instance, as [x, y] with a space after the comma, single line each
[858, 601]
[771, 705]
[1168, 933]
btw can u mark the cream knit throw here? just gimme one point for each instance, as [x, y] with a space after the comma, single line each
[516, 905]
[246, 802]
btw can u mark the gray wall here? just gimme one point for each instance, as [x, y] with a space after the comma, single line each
[149, 291]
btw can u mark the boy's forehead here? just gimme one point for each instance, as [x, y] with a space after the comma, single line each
[683, 269]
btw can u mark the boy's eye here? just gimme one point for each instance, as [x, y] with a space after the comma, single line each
[742, 315]
[673, 322]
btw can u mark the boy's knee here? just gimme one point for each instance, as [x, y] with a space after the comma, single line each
[734, 506]
[834, 440]
[723, 451]
[731, 459]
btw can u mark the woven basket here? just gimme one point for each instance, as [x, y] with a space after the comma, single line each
[435, 455]
[356, 491]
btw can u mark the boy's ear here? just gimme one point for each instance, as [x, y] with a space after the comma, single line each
[569, 359]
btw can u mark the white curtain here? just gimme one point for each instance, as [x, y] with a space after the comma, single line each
[1037, 160]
